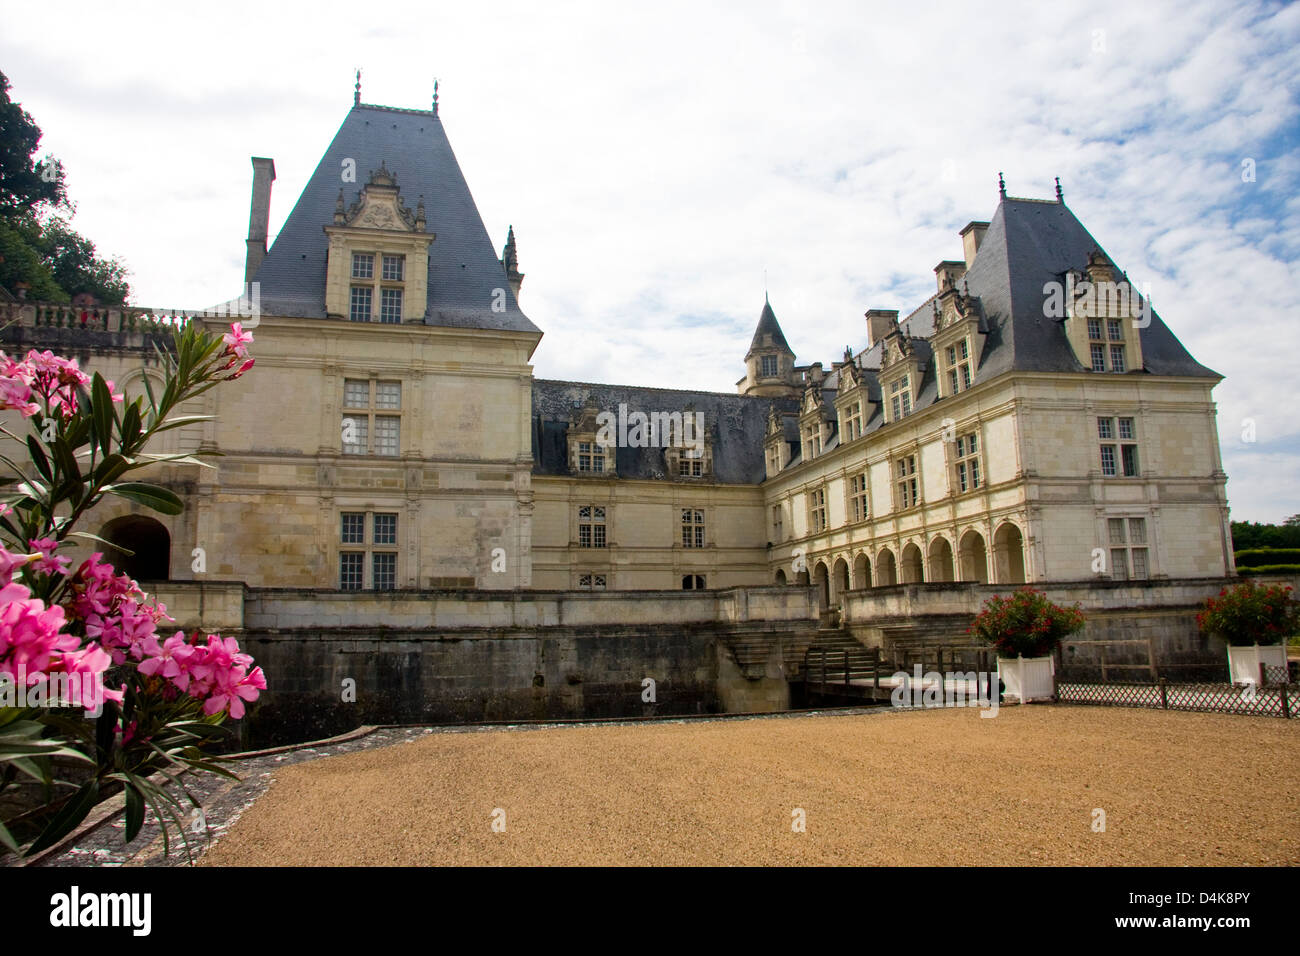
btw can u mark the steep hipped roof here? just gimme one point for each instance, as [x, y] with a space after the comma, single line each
[767, 325]
[736, 424]
[464, 271]
[1029, 243]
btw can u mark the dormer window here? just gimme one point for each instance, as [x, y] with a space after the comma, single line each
[958, 365]
[363, 265]
[591, 457]
[394, 268]
[852, 422]
[900, 397]
[390, 306]
[769, 366]
[359, 308]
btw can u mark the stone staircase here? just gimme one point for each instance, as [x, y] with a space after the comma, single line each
[833, 651]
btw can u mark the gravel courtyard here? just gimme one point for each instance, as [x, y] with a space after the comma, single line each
[893, 788]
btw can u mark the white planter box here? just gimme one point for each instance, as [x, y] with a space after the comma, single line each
[1243, 662]
[1027, 678]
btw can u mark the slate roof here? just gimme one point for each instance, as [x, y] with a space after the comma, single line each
[767, 325]
[464, 269]
[1029, 243]
[737, 424]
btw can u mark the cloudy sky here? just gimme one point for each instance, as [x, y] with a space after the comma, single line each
[663, 163]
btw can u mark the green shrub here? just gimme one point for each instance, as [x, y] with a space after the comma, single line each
[1257, 557]
[1270, 569]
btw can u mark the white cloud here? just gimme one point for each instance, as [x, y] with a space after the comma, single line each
[655, 163]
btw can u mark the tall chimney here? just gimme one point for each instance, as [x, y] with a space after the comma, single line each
[879, 324]
[971, 237]
[259, 215]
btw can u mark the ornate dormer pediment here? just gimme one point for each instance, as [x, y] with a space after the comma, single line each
[378, 259]
[380, 206]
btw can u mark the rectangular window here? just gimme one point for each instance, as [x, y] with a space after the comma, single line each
[1129, 459]
[907, 483]
[362, 296]
[355, 437]
[769, 366]
[390, 306]
[852, 421]
[858, 497]
[351, 565]
[383, 571]
[692, 528]
[1094, 329]
[817, 509]
[394, 268]
[591, 457]
[387, 430]
[388, 395]
[900, 397]
[385, 529]
[1117, 358]
[1115, 330]
[1128, 552]
[591, 526]
[953, 381]
[1119, 459]
[1098, 353]
[965, 376]
[363, 265]
[1108, 460]
[777, 531]
[354, 528]
[1119, 564]
[690, 467]
[356, 393]
[968, 464]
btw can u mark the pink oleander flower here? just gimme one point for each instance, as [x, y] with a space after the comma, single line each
[30, 634]
[49, 563]
[89, 663]
[171, 660]
[236, 340]
[241, 370]
[11, 562]
[233, 693]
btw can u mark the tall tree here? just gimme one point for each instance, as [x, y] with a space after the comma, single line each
[39, 249]
[26, 185]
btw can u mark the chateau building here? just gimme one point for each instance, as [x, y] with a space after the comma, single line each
[1033, 420]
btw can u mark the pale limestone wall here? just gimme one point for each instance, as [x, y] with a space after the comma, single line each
[1040, 462]
[643, 528]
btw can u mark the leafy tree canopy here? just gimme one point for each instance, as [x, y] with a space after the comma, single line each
[38, 246]
[1252, 534]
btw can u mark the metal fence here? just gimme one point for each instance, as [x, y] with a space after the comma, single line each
[1271, 697]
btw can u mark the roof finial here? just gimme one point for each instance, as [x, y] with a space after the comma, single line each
[356, 93]
[435, 96]
[1002, 186]
[1059, 197]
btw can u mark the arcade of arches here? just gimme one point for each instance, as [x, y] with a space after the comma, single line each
[972, 561]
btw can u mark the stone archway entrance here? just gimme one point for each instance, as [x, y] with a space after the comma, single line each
[140, 547]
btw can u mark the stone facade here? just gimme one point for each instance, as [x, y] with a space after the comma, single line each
[392, 435]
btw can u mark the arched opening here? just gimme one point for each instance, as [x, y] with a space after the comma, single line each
[886, 568]
[941, 560]
[861, 572]
[823, 579]
[692, 582]
[1009, 554]
[780, 577]
[841, 578]
[912, 565]
[140, 547]
[974, 558]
